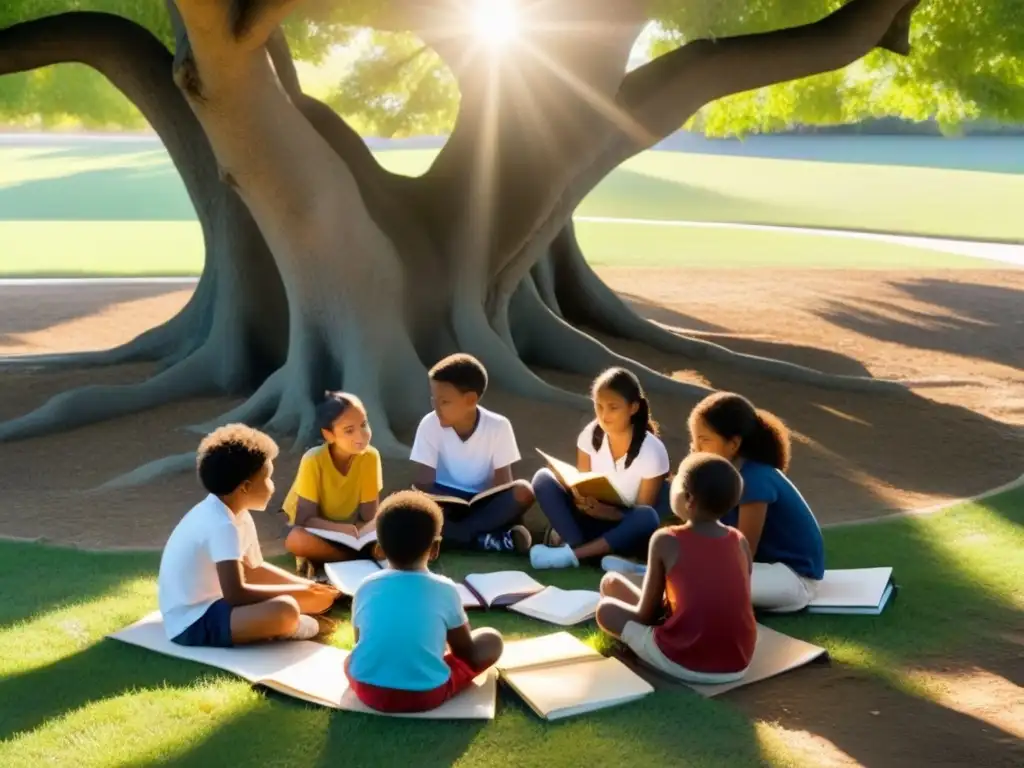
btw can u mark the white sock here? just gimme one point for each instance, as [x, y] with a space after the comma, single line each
[553, 557]
[308, 629]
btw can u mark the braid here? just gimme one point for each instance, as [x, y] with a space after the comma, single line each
[642, 424]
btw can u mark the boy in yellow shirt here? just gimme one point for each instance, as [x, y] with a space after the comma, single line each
[337, 487]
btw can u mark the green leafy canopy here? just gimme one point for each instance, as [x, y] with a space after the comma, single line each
[967, 64]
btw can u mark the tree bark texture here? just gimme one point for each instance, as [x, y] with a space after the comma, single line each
[325, 271]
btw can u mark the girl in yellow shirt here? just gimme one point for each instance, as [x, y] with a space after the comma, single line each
[337, 487]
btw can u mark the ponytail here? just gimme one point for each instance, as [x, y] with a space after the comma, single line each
[625, 384]
[763, 436]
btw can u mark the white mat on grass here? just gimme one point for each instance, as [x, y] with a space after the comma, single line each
[303, 669]
[774, 654]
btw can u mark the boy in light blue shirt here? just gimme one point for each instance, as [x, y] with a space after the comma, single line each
[405, 617]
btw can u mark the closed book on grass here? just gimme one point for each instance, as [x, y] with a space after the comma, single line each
[560, 676]
[352, 542]
[478, 590]
[564, 607]
[444, 495]
[855, 591]
[589, 484]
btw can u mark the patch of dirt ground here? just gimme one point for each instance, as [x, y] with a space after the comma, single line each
[955, 334]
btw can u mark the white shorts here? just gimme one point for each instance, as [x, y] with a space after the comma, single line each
[640, 639]
[776, 587]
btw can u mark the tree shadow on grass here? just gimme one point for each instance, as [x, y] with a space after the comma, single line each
[149, 193]
[39, 579]
[954, 612]
[630, 194]
[962, 321]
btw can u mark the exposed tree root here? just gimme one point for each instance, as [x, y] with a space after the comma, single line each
[504, 366]
[547, 340]
[87, 405]
[153, 470]
[586, 300]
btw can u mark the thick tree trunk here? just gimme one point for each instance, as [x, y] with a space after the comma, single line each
[325, 271]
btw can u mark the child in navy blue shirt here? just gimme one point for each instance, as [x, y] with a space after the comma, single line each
[789, 554]
[405, 617]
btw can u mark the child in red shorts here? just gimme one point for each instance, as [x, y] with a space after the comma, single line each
[405, 617]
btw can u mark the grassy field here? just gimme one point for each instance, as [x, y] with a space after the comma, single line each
[64, 691]
[120, 209]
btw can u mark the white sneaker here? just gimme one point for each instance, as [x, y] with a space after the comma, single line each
[308, 629]
[617, 564]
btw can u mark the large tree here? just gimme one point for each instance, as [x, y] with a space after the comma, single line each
[324, 270]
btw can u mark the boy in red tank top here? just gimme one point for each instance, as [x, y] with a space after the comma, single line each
[699, 575]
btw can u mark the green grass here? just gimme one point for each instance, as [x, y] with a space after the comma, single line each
[122, 210]
[67, 693]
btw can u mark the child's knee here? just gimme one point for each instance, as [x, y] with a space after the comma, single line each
[607, 617]
[488, 645]
[284, 613]
[544, 478]
[612, 585]
[295, 542]
[522, 491]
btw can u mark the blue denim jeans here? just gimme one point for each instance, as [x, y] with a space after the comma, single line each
[629, 536]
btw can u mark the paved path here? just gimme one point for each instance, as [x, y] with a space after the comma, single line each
[1007, 253]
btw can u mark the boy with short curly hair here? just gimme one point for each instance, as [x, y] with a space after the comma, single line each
[214, 587]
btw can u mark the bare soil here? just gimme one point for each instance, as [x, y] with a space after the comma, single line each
[956, 334]
[957, 433]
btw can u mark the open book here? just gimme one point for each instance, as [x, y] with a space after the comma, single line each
[559, 606]
[444, 495]
[352, 542]
[560, 676]
[590, 484]
[862, 591]
[478, 590]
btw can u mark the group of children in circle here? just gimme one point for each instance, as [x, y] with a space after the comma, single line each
[744, 536]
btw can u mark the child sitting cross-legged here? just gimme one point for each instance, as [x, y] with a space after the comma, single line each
[414, 648]
[214, 587]
[461, 449]
[701, 571]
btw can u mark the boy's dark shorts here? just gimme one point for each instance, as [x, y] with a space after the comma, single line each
[212, 629]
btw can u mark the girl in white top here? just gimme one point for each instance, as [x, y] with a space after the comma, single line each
[622, 444]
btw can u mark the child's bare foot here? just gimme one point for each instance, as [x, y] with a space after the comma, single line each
[897, 37]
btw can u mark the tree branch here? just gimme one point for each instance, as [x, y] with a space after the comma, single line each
[246, 23]
[284, 64]
[664, 93]
[134, 61]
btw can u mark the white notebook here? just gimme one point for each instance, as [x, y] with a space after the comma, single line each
[303, 669]
[863, 591]
[559, 606]
[560, 676]
[352, 542]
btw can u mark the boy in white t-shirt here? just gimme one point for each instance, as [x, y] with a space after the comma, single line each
[214, 588]
[461, 449]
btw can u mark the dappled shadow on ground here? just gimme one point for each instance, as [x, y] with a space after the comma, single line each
[953, 317]
[876, 724]
[28, 308]
[128, 193]
[855, 454]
